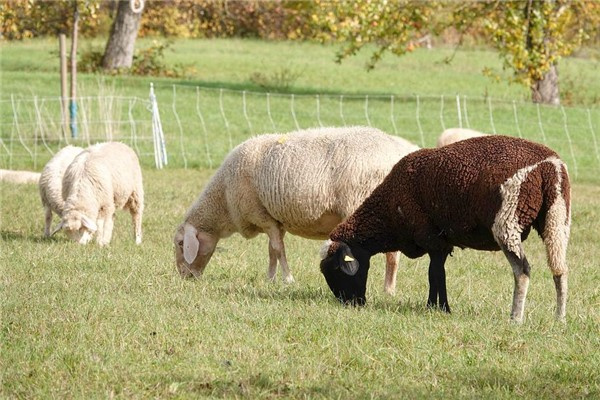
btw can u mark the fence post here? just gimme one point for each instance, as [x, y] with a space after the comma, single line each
[62, 45]
[158, 137]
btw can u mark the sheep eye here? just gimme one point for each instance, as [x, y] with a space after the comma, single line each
[180, 243]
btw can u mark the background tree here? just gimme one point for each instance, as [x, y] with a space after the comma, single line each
[123, 33]
[531, 36]
[20, 19]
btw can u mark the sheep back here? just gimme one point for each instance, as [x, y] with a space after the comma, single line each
[460, 195]
[310, 180]
[105, 174]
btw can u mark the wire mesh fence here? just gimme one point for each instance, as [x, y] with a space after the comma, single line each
[201, 125]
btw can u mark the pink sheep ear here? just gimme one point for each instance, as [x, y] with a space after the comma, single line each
[190, 243]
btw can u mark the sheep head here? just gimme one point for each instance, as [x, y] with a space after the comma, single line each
[193, 250]
[345, 271]
[78, 227]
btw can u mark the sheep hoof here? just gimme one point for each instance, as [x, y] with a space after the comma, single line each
[289, 279]
[516, 320]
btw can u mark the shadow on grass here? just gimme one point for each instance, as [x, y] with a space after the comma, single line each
[260, 89]
[19, 236]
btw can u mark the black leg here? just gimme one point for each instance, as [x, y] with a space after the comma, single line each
[437, 281]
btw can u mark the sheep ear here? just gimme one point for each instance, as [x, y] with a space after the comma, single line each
[190, 243]
[88, 223]
[58, 228]
[348, 264]
[207, 243]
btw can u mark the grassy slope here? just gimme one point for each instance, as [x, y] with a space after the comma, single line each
[85, 322]
[231, 63]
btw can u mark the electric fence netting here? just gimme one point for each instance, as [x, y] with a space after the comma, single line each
[32, 130]
[196, 127]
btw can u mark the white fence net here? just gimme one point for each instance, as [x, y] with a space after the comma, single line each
[195, 127]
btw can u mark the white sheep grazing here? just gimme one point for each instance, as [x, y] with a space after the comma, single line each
[102, 179]
[304, 182]
[50, 183]
[7, 175]
[453, 135]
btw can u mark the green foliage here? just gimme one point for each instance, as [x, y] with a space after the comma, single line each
[530, 37]
[282, 19]
[208, 18]
[281, 80]
[392, 26]
[21, 19]
[148, 61]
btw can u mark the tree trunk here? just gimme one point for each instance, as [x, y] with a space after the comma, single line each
[546, 90]
[121, 42]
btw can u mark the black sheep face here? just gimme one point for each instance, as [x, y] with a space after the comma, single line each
[345, 271]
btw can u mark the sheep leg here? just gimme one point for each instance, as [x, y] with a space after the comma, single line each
[277, 251]
[560, 282]
[136, 209]
[437, 281]
[47, 221]
[521, 271]
[272, 263]
[391, 268]
[105, 236]
[136, 216]
[100, 231]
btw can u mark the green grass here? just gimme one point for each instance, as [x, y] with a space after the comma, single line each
[231, 63]
[424, 90]
[88, 322]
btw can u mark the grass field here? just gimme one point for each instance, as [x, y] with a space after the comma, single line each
[118, 322]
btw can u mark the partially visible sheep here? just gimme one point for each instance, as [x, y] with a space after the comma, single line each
[103, 178]
[484, 193]
[304, 182]
[50, 183]
[7, 175]
[453, 135]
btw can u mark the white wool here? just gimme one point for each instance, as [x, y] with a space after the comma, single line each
[104, 178]
[453, 135]
[303, 180]
[7, 175]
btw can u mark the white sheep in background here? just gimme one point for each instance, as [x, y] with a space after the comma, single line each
[453, 135]
[50, 183]
[7, 175]
[304, 182]
[103, 178]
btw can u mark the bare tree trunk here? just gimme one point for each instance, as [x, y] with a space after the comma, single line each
[121, 42]
[546, 90]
